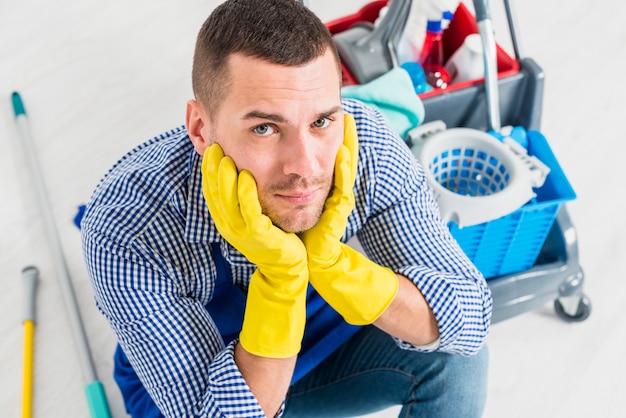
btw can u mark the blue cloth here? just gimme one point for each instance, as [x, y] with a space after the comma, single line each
[147, 237]
[394, 96]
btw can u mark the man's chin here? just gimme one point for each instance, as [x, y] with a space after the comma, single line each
[295, 226]
[296, 222]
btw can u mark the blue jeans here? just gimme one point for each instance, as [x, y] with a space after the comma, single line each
[370, 373]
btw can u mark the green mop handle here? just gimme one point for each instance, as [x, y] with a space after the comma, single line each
[96, 398]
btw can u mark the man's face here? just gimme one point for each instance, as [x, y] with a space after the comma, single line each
[285, 126]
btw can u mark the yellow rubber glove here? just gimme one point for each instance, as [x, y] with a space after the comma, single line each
[356, 287]
[275, 314]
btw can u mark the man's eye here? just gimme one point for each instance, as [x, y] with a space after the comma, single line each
[321, 123]
[263, 130]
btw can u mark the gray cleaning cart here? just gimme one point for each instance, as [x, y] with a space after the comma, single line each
[554, 275]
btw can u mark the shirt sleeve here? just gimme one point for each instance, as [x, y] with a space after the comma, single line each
[403, 230]
[169, 338]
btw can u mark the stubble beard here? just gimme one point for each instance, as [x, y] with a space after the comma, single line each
[298, 218]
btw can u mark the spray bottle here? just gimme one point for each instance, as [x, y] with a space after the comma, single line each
[414, 34]
[431, 57]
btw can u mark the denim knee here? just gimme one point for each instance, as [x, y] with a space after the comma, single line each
[451, 386]
[371, 373]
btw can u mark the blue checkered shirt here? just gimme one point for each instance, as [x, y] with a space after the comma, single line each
[146, 241]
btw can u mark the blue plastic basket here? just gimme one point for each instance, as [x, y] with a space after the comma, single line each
[511, 244]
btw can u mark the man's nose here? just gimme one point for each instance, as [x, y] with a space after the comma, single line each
[301, 155]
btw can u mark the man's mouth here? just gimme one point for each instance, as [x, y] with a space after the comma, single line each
[298, 197]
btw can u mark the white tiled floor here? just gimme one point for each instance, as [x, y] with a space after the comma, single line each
[100, 77]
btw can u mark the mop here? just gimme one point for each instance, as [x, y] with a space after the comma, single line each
[94, 390]
[30, 276]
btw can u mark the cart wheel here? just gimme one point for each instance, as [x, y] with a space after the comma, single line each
[578, 314]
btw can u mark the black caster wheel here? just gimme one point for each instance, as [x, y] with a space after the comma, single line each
[581, 313]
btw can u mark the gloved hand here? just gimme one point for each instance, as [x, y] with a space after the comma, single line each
[275, 314]
[356, 287]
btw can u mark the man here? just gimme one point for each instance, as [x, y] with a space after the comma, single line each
[217, 250]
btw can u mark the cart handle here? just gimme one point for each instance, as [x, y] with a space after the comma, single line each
[512, 21]
[485, 28]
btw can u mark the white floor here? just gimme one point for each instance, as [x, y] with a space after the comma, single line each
[99, 77]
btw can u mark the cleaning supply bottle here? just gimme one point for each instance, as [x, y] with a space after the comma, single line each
[466, 63]
[412, 37]
[418, 77]
[431, 58]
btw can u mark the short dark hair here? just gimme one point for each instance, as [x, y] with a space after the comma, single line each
[281, 32]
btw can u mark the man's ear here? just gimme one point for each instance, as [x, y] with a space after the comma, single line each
[196, 120]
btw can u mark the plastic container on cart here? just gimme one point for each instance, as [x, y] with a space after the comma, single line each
[467, 62]
[554, 274]
[476, 177]
[473, 184]
[512, 243]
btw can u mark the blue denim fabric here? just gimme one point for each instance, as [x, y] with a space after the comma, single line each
[370, 373]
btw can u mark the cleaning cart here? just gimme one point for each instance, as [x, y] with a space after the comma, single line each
[529, 256]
